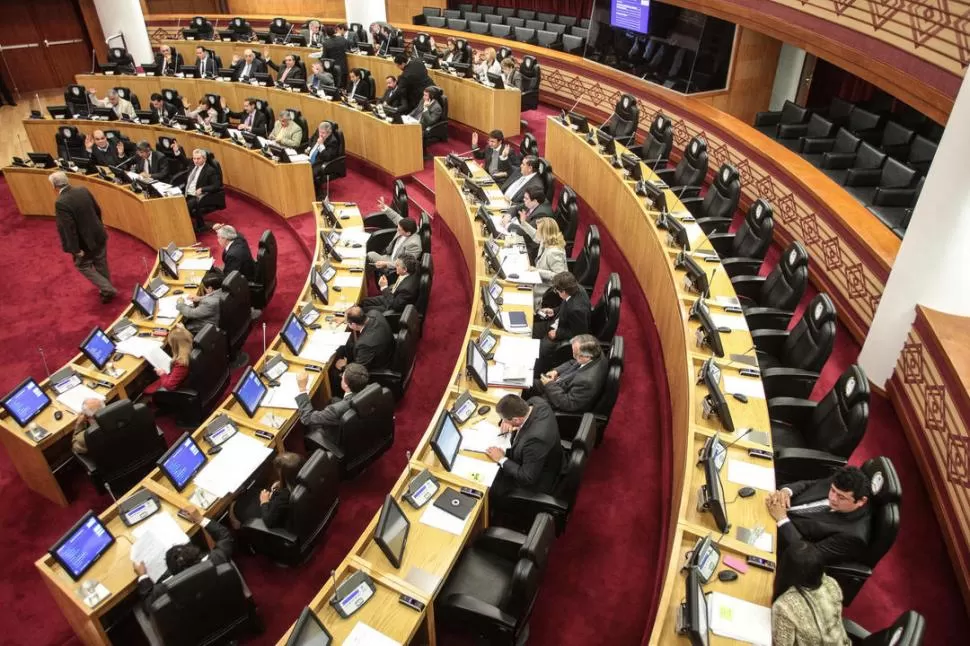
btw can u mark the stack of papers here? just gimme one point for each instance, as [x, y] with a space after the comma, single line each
[284, 395]
[525, 277]
[364, 635]
[499, 225]
[441, 519]
[738, 619]
[354, 236]
[406, 118]
[751, 475]
[322, 345]
[515, 297]
[296, 159]
[730, 321]
[748, 387]
[483, 435]
[241, 455]
[517, 351]
[196, 264]
[501, 374]
[167, 306]
[727, 301]
[351, 282]
[153, 538]
[74, 397]
[480, 471]
[350, 252]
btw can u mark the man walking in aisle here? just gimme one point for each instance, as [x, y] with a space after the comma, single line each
[82, 233]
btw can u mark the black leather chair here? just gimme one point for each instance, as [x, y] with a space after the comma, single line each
[499, 31]
[503, 52]
[234, 315]
[397, 377]
[280, 28]
[906, 631]
[865, 125]
[123, 445]
[439, 22]
[894, 207]
[70, 142]
[604, 318]
[656, 148]
[529, 145]
[492, 588]
[76, 99]
[791, 360]
[544, 171]
[400, 203]
[863, 183]
[742, 252]
[921, 154]
[818, 127]
[424, 230]
[885, 499]
[812, 438]
[122, 60]
[201, 28]
[313, 504]
[586, 266]
[867, 157]
[570, 423]
[817, 150]
[126, 94]
[240, 27]
[567, 215]
[216, 200]
[768, 302]
[366, 431]
[422, 42]
[424, 287]
[790, 114]
[573, 44]
[720, 202]
[263, 286]
[839, 110]
[622, 126]
[208, 376]
[687, 178]
[896, 140]
[531, 79]
[438, 131]
[204, 604]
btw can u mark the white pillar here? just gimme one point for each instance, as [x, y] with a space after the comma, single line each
[931, 267]
[790, 62]
[124, 17]
[366, 11]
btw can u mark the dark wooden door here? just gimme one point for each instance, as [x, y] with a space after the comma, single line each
[43, 44]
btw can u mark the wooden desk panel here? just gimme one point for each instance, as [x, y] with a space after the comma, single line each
[156, 222]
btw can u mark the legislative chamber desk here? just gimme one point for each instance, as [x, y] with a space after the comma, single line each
[393, 148]
[114, 568]
[613, 199]
[469, 102]
[156, 222]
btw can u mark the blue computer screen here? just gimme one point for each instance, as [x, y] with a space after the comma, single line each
[26, 402]
[630, 14]
[145, 301]
[183, 463]
[294, 333]
[83, 547]
[98, 348]
[250, 391]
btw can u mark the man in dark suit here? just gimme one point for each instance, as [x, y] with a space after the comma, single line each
[526, 176]
[82, 233]
[335, 47]
[289, 71]
[353, 380]
[179, 558]
[498, 156]
[164, 111]
[575, 386]
[236, 255]
[204, 62]
[250, 119]
[570, 318]
[412, 81]
[371, 344]
[393, 97]
[534, 460]
[101, 150]
[243, 69]
[325, 148]
[830, 513]
[203, 180]
[168, 62]
[404, 291]
[343, 32]
[150, 164]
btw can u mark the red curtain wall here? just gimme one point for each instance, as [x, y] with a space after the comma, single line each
[578, 8]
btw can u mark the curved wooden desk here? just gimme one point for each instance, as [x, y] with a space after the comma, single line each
[393, 148]
[613, 199]
[284, 188]
[156, 222]
[114, 568]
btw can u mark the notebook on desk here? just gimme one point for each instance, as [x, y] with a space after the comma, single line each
[515, 322]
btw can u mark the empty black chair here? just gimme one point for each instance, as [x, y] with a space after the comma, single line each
[791, 360]
[492, 588]
[586, 266]
[906, 631]
[531, 76]
[451, 13]
[208, 376]
[604, 318]
[525, 35]
[791, 113]
[839, 110]
[817, 127]
[204, 604]
[70, 143]
[263, 286]
[622, 125]
[458, 24]
[397, 377]
[234, 315]
[567, 215]
[769, 301]
[365, 431]
[894, 207]
[921, 154]
[280, 28]
[688, 176]
[743, 251]
[813, 438]
[476, 27]
[573, 44]
[240, 27]
[76, 99]
[865, 125]
[313, 504]
[544, 171]
[123, 445]
[500, 31]
[863, 183]
[656, 148]
[719, 203]
[815, 149]
[424, 286]
[545, 16]
[896, 140]
[529, 145]
[546, 38]
[122, 60]
[867, 156]
[493, 19]
[436, 21]
[201, 28]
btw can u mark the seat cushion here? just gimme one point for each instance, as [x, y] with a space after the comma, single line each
[482, 575]
[771, 130]
[837, 175]
[864, 194]
[766, 361]
[784, 436]
[814, 160]
[792, 144]
[892, 216]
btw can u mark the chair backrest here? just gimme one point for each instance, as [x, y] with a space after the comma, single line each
[515, 23]
[811, 341]
[896, 174]
[234, 317]
[199, 603]
[860, 120]
[572, 44]
[208, 363]
[451, 13]
[122, 434]
[556, 28]
[839, 111]
[692, 167]
[722, 197]
[544, 171]
[846, 142]
[567, 213]
[572, 476]
[786, 283]
[819, 126]
[424, 230]
[921, 154]
[840, 418]
[754, 236]
[568, 21]
[626, 118]
[478, 27]
[201, 24]
[545, 16]
[529, 145]
[311, 500]
[611, 387]
[279, 26]
[529, 69]
[587, 265]
[585, 433]
[896, 135]
[535, 24]
[457, 24]
[436, 21]
[367, 429]
[399, 199]
[868, 156]
[660, 139]
[527, 575]
[906, 631]
[266, 265]
[525, 14]
[499, 31]
[493, 19]
[502, 53]
[406, 343]
[425, 283]
[886, 500]
[793, 113]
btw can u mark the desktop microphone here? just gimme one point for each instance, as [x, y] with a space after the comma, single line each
[286, 39]
[581, 94]
[707, 292]
[144, 262]
[264, 337]
[43, 358]
[738, 439]
[333, 575]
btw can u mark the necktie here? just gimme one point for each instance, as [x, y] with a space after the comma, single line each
[810, 508]
[147, 167]
[285, 72]
[249, 120]
[398, 243]
[202, 67]
[246, 71]
[164, 66]
[193, 177]
[313, 155]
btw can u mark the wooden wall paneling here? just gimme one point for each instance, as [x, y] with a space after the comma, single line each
[26, 64]
[67, 48]
[753, 66]
[89, 13]
[324, 8]
[202, 7]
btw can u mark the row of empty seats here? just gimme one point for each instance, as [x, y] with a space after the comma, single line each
[566, 33]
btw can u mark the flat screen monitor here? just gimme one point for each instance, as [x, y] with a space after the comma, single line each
[182, 461]
[492, 256]
[250, 391]
[631, 163]
[715, 495]
[607, 141]
[446, 439]
[104, 113]
[391, 534]
[25, 402]
[329, 214]
[491, 305]
[98, 347]
[331, 249]
[579, 121]
[708, 334]
[82, 545]
[44, 160]
[697, 278]
[327, 272]
[320, 287]
[630, 15]
[476, 191]
[497, 81]
[695, 610]
[477, 364]
[294, 334]
[459, 164]
[309, 631]
[150, 69]
[486, 218]
[715, 403]
[58, 112]
[144, 301]
[190, 71]
[168, 264]
[656, 195]
[677, 233]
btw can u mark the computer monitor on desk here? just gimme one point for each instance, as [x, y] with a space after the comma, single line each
[477, 364]
[629, 161]
[318, 284]
[309, 631]
[82, 546]
[98, 347]
[493, 259]
[250, 391]
[294, 334]
[578, 122]
[446, 440]
[711, 496]
[391, 533]
[715, 403]
[708, 334]
[497, 81]
[168, 264]
[44, 160]
[459, 164]
[190, 71]
[25, 402]
[182, 461]
[144, 301]
[693, 618]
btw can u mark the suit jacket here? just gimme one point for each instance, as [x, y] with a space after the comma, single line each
[411, 244]
[208, 180]
[512, 80]
[257, 67]
[534, 182]
[374, 346]
[168, 111]
[329, 151]
[205, 311]
[577, 389]
[336, 48]
[535, 458]
[158, 166]
[528, 225]
[79, 221]
[573, 316]
[394, 98]
[551, 261]
[107, 157]
[259, 121]
[327, 420]
[313, 41]
[412, 81]
[291, 137]
[839, 537]
[428, 116]
[172, 67]
[221, 553]
[208, 66]
[124, 107]
[396, 297]
[317, 81]
[504, 165]
[237, 257]
[295, 73]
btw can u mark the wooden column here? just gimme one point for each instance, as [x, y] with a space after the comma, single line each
[93, 27]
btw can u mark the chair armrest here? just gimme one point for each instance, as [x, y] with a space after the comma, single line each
[863, 177]
[837, 161]
[788, 382]
[741, 267]
[905, 197]
[767, 118]
[379, 240]
[320, 439]
[377, 221]
[790, 410]
[723, 243]
[792, 130]
[855, 632]
[665, 173]
[86, 462]
[172, 398]
[794, 464]
[711, 226]
[767, 318]
[477, 614]
[525, 504]
[686, 192]
[769, 341]
[694, 204]
[256, 531]
[501, 541]
[816, 145]
[747, 286]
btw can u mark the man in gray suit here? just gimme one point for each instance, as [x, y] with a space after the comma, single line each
[406, 242]
[575, 386]
[82, 233]
[428, 112]
[313, 35]
[353, 380]
[199, 310]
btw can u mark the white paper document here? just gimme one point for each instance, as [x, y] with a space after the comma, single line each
[296, 159]
[745, 386]
[241, 455]
[153, 538]
[351, 236]
[751, 475]
[517, 351]
[482, 435]
[348, 282]
[350, 252]
[284, 395]
[423, 580]
[738, 619]
[727, 301]
[481, 471]
[197, 264]
[166, 307]
[525, 277]
[74, 397]
[148, 349]
[730, 321]
[440, 519]
[514, 329]
[322, 345]
[364, 635]
[515, 297]
[513, 376]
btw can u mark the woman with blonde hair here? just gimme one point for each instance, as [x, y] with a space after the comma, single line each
[179, 343]
[551, 258]
[491, 63]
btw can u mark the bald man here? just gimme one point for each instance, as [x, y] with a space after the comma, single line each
[168, 62]
[101, 150]
[244, 68]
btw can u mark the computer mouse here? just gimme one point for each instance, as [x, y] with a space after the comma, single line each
[58, 415]
[117, 356]
[344, 217]
[513, 276]
[746, 492]
[178, 291]
[337, 288]
[214, 450]
[356, 245]
[727, 575]
[483, 410]
[314, 326]
[740, 397]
